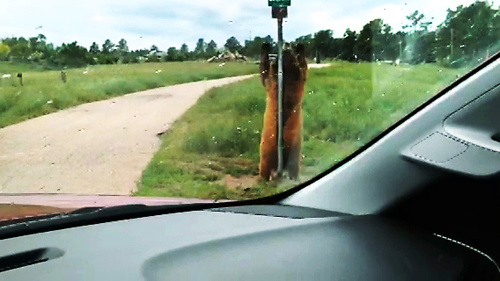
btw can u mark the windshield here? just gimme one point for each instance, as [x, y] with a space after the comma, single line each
[107, 103]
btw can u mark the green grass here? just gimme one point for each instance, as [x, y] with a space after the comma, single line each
[44, 92]
[344, 107]
[14, 68]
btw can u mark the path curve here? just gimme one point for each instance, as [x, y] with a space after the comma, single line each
[95, 148]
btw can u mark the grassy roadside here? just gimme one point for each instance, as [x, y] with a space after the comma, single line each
[345, 106]
[44, 92]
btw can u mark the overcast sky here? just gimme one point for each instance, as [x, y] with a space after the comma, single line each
[167, 23]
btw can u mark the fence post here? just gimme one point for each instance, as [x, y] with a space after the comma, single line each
[63, 76]
[20, 76]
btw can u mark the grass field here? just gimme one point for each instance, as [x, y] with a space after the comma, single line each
[44, 92]
[344, 107]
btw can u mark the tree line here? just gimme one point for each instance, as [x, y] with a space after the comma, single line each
[468, 33]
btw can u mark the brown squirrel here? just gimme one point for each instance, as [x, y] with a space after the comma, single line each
[294, 78]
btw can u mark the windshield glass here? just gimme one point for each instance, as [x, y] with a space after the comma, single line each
[174, 102]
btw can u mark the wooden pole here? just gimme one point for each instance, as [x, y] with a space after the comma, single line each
[20, 76]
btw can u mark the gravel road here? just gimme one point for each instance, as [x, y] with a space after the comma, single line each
[96, 148]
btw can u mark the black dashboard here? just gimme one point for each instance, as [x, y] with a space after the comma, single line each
[242, 243]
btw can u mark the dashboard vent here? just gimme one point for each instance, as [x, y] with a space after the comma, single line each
[29, 258]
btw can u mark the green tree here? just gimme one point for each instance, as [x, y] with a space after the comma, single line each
[201, 48]
[184, 52]
[233, 45]
[4, 51]
[37, 44]
[72, 55]
[107, 47]
[348, 45]
[253, 47]
[419, 41]
[468, 32]
[370, 44]
[322, 42]
[211, 48]
[19, 48]
[94, 48]
[172, 54]
[122, 46]
[154, 49]
[308, 43]
[107, 55]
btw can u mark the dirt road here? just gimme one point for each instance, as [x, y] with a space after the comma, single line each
[95, 148]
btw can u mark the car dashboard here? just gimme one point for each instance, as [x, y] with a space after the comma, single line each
[260, 242]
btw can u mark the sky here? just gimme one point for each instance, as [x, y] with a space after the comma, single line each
[170, 23]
